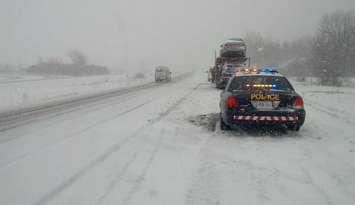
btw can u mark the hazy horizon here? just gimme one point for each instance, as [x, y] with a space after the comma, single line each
[175, 33]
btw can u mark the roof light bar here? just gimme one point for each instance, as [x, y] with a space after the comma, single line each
[268, 69]
[263, 86]
[255, 70]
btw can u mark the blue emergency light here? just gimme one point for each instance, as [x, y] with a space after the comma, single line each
[267, 69]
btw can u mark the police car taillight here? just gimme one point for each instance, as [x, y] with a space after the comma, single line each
[232, 102]
[298, 102]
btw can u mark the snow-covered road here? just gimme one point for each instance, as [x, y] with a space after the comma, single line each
[157, 146]
[24, 91]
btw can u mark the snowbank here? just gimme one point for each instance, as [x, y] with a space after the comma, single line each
[18, 92]
[335, 101]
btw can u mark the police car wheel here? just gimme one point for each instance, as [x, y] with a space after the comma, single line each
[223, 125]
[294, 127]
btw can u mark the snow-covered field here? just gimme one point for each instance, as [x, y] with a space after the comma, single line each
[21, 91]
[157, 146]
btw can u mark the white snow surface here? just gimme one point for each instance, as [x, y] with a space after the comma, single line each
[22, 91]
[141, 148]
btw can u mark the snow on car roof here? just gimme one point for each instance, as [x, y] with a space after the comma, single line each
[235, 39]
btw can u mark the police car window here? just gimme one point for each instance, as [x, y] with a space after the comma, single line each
[248, 82]
[238, 44]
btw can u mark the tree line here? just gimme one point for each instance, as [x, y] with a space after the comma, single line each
[77, 67]
[329, 54]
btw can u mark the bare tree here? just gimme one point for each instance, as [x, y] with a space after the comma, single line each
[263, 51]
[78, 57]
[255, 43]
[333, 49]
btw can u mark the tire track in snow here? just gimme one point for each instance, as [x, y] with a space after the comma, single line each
[333, 116]
[210, 176]
[6, 82]
[140, 179]
[323, 109]
[25, 116]
[116, 147]
[15, 118]
[68, 182]
[176, 104]
[337, 174]
[317, 187]
[339, 169]
[261, 178]
[70, 136]
[91, 165]
[118, 177]
[206, 180]
[95, 106]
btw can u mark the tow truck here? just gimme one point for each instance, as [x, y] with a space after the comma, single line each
[221, 65]
[260, 96]
[232, 52]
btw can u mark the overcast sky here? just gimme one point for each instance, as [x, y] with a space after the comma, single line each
[180, 33]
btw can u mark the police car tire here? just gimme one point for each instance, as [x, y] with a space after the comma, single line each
[294, 127]
[297, 128]
[223, 125]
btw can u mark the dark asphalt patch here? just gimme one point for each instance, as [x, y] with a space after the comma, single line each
[206, 121]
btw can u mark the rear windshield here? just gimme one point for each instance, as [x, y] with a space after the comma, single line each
[260, 82]
[237, 44]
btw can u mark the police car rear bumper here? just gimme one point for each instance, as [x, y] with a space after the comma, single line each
[272, 117]
[267, 118]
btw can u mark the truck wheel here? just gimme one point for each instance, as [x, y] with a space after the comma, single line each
[219, 86]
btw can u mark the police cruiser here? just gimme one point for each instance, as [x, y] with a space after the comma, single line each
[260, 96]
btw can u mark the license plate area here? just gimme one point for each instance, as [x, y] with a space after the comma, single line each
[265, 101]
[265, 105]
